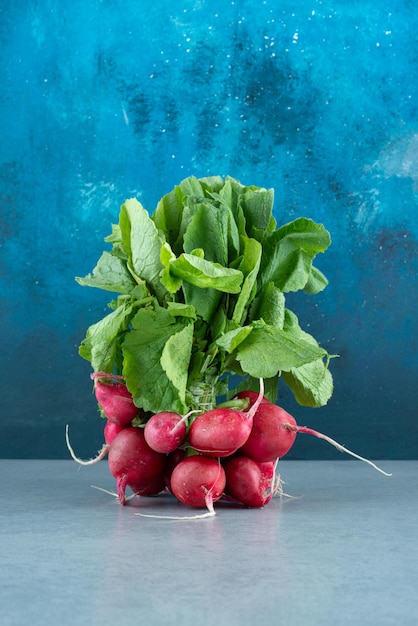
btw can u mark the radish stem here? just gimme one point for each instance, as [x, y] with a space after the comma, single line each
[95, 375]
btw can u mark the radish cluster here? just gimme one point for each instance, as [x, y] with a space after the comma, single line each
[224, 452]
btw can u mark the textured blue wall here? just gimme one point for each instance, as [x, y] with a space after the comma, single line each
[105, 100]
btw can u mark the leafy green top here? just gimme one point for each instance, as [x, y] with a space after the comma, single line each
[201, 295]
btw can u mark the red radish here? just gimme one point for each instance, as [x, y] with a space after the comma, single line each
[250, 482]
[173, 459]
[110, 431]
[133, 463]
[269, 439]
[198, 481]
[222, 431]
[165, 431]
[274, 432]
[114, 398]
[153, 488]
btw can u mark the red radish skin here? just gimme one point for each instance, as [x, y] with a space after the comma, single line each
[173, 459]
[133, 463]
[198, 481]
[111, 430]
[250, 482]
[165, 431]
[222, 431]
[269, 439]
[114, 398]
[153, 488]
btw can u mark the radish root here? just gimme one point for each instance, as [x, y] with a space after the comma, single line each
[185, 518]
[210, 512]
[101, 454]
[341, 448]
[112, 493]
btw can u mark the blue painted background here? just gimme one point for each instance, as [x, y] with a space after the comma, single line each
[104, 100]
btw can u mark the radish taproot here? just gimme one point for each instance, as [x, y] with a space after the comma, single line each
[222, 431]
[274, 432]
[134, 464]
[100, 455]
[250, 482]
[198, 481]
[114, 398]
[165, 431]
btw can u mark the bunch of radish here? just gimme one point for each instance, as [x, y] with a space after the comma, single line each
[200, 314]
[224, 453]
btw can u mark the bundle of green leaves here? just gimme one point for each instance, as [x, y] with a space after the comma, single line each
[200, 303]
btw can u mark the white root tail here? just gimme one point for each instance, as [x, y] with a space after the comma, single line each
[112, 493]
[186, 518]
[101, 454]
[182, 518]
[341, 448]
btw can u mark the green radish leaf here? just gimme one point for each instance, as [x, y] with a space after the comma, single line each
[115, 238]
[316, 282]
[311, 384]
[178, 309]
[229, 196]
[230, 341]
[288, 253]
[249, 266]
[101, 345]
[268, 350]
[201, 296]
[269, 306]
[212, 183]
[227, 199]
[206, 274]
[257, 206]
[142, 243]
[208, 231]
[110, 274]
[148, 365]
[175, 359]
[206, 301]
[168, 214]
[171, 283]
[218, 323]
[191, 188]
[306, 235]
